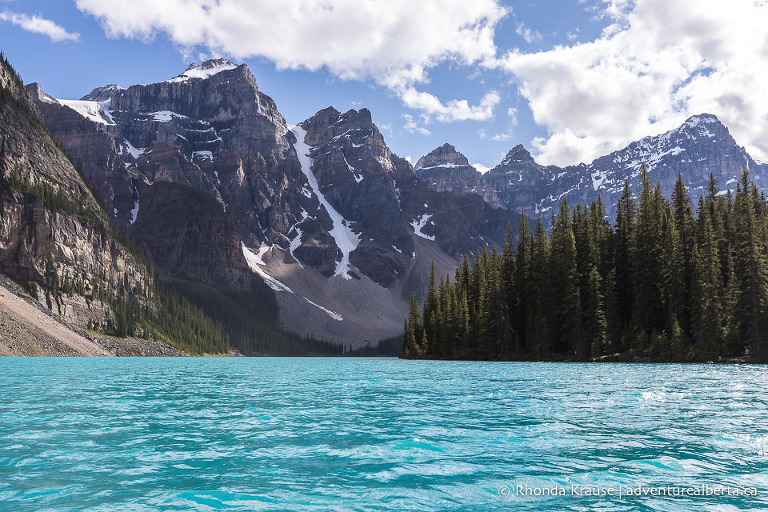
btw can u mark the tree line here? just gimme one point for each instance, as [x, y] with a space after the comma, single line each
[660, 284]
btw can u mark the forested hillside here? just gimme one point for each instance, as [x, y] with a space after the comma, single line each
[659, 284]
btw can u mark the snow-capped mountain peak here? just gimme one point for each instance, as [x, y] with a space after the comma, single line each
[205, 70]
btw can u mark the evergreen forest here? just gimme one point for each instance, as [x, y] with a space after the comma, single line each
[664, 282]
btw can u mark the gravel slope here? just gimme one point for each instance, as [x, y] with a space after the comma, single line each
[26, 329]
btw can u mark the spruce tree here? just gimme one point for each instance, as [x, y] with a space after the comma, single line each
[707, 313]
[594, 315]
[750, 272]
[565, 305]
[684, 224]
[624, 257]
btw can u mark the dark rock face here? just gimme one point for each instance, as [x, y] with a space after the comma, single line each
[195, 237]
[352, 211]
[355, 171]
[52, 230]
[457, 224]
[387, 205]
[209, 128]
[520, 183]
[93, 149]
[447, 170]
[702, 145]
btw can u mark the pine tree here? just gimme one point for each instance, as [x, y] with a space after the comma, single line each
[594, 315]
[524, 293]
[565, 308]
[538, 328]
[507, 296]
[751, 272]
[707, 290]
[648, 245]
[684, 224]
[624, 258]
[412, 333]
[432, 317]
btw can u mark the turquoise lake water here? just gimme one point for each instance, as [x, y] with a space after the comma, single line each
[379, 434]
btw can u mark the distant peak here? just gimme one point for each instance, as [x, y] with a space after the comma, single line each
[363, 115]
[517, 154]
[694, 121]
[205, 70]
[703, 118]
[213, 64]
[102, 93]
[445, 156]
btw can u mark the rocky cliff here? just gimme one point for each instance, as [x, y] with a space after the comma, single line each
[54, 237]
[205, 173]
[447, 170]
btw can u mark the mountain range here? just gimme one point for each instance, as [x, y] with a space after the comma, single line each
[204, 174]
[698, 148]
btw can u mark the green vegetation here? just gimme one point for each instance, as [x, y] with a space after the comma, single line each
[389, 347]
[659, 285]
[246, 321]
[7, 95]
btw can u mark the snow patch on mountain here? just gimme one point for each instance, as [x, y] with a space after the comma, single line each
[204, 71]
[295, 243]
[346, 239]
[256, 261]
[330, 313]
[96, 111]
[135, 209]
[165, 116]
[358, 177]
[203, 154]
[133, 151]
[418, 224]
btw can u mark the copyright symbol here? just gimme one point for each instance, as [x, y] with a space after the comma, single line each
[504, 491]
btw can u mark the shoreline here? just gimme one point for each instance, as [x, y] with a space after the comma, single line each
[28, 330]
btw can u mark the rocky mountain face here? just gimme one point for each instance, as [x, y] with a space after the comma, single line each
[208, 130]
[205, 173]
[447, 170]
[54, 236]
[702, 145]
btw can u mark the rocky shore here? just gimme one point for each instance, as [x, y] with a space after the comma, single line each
[28, 329]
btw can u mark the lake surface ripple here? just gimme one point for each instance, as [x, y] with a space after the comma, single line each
[379, 434]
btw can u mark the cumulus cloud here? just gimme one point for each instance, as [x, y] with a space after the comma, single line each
[394, 43]
[527, 33]
[454, 110]
[38, 25]
[412, 126]
[656, 63]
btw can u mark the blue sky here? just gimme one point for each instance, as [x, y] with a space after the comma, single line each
[569, 79]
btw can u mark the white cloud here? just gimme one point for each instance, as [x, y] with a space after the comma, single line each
[411, 126]
[656, 63]
[500, 137]
[482, 169]
[394, 43]
[527, 33]
[38, 25]
[454, 110]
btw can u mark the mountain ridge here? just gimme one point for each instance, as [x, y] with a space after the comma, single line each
[325, 202]
[323, 211]
[698, 147]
